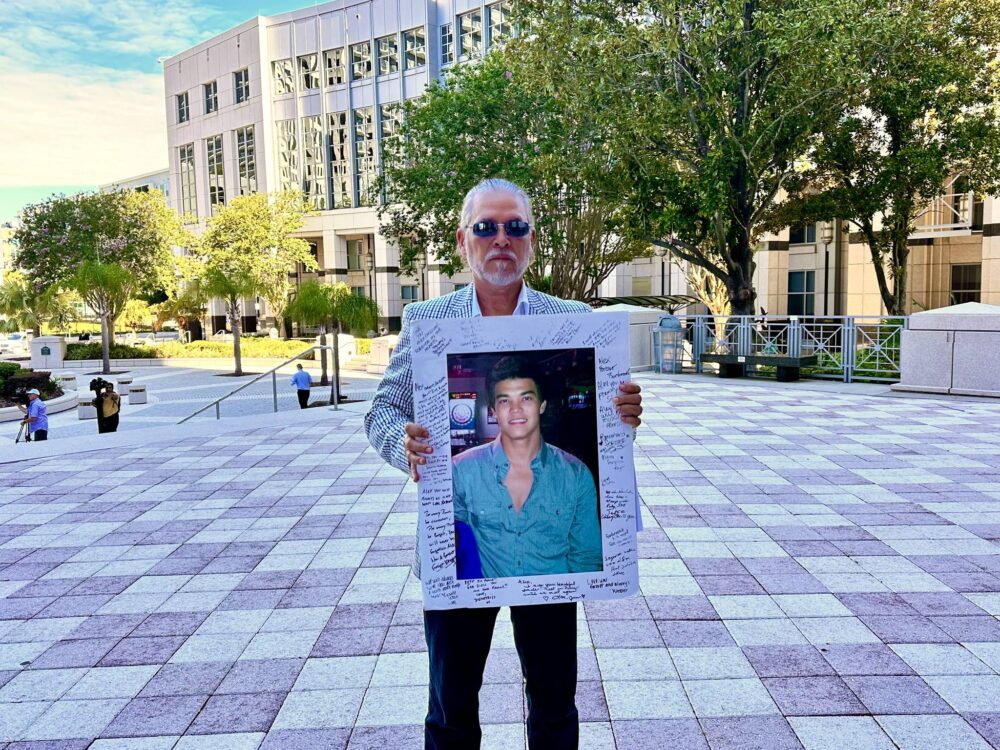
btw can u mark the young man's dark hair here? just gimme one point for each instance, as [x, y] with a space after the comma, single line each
[512, 368]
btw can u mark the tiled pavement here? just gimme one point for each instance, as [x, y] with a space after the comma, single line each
[819, 570]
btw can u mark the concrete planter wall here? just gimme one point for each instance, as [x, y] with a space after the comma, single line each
[62, 403]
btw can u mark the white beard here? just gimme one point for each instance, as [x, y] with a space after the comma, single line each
[501, 277]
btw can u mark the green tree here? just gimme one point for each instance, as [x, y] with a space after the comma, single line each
[332, 306]
[703, 107]
[189, 303]
[28, 308]
[484, 121]
[109, 247]
[135, 314]
[248, 249]
[925, 111]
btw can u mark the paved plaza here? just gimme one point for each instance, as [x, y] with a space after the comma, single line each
[820, 569]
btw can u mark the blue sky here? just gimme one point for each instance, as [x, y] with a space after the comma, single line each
[81, 89]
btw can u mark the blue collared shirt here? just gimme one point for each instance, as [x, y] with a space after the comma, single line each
[557, 529]
[36, 409]
[301, 380]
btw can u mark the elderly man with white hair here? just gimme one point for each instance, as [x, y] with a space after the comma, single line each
[496, 238]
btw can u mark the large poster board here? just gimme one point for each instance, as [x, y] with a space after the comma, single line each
[492, 531]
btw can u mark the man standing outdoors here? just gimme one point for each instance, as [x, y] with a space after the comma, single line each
[36, 418]
[542, 519]
[496, 238]
[303, 382]
[109, 406]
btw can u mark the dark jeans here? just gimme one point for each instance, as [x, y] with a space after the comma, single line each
[458, 642]
[39, 435]
[108, 424]
[303, 398]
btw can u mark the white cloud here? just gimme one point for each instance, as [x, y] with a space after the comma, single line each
[80, 128]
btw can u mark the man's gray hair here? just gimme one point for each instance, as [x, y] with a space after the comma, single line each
[489, 186]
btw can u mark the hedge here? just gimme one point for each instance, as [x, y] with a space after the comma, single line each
[256, 347]
[28, 379]
[92, 350]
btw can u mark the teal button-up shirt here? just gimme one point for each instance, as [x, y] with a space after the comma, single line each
[557, 529]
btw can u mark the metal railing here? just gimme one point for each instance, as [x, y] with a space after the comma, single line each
[273, 372]
[848, 347]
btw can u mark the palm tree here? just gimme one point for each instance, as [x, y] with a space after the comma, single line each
[232, 287]
[28, 308]
[332, 305]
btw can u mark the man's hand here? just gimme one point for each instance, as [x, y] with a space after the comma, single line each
[415, 448]
[629, 403]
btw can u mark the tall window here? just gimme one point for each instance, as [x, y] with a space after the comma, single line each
[355, 254]
[447, 44]
[388, 54]
[241, 84]
[309, 72]
[189, 194]
[390, 120]
[361, 61]
[183, 108]
[801, 292]
[211, 97]
[216, 173]
[281, 75]
[313, 163]
[288, 155]
[414, 48]
[340, 160]
[333, 62]
[246, 160]
[364, 153]
[966, 283]
[802, 234]
[498, 16]
[470, 29]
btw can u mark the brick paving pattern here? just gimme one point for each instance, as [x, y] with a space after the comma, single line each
[819, 570]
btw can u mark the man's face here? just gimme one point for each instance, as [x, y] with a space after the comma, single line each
[518, 407]
[499, 260]
[32, 397]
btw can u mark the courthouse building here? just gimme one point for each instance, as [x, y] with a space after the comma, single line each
[307, 98]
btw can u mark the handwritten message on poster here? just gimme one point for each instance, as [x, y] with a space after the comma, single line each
[580, 360]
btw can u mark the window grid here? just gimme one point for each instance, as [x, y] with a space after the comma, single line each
[281, 74]
[498, 18]
[336, 70]
[211, 97]
[801, 292]
[189, 194]
[364, 153]
[288, 155]
[216, 173]
[409, 293]
[966, 283]
[447, 44]
[359, 291]
[414, 48]
[313, 162]
[241, 84]
[340, 160]
[470, 27]
[183, 108]
[802, 234]
[387, 48]
[354, 255]
[361, 61]
[309, 72]
[246, 158]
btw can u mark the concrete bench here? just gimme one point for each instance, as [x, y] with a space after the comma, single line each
[85, 408]
[735, 365]
[137, 394]
[124, 384]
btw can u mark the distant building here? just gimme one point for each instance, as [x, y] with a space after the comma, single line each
[158, 180]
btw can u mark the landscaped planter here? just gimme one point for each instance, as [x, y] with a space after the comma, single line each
[61, 403]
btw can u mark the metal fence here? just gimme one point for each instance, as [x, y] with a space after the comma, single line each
[848, 347]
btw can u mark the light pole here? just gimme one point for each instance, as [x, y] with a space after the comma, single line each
[665, 280]
[419, 264]
[826, 236]
[370, 265]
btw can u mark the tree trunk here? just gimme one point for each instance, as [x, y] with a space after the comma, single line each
[234, 322]
[324, 378]
[106, 333]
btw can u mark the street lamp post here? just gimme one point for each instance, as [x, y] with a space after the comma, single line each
[662, 253]
[370, 265]
[419, 264]
[826, 235]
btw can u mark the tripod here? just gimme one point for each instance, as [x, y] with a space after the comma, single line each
[21, 433]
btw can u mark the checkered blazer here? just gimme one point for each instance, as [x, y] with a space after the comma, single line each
[392, 406]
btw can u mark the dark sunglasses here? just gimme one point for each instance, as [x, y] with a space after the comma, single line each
[513, 228]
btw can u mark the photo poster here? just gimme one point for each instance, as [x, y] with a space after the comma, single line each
[485, 538]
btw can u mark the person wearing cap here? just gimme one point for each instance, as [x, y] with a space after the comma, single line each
[36, 418]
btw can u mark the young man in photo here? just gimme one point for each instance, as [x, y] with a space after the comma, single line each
[496, 239]
[531, 506]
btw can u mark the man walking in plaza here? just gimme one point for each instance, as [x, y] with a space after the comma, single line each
[36, 419]
[109, 406]
[496, 238]
[302, 382]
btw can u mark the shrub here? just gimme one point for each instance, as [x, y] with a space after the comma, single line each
[9, 368]
[28, 379]
[92, 350]
[256, 347]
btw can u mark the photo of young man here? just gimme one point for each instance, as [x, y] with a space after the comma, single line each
[531, 506]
